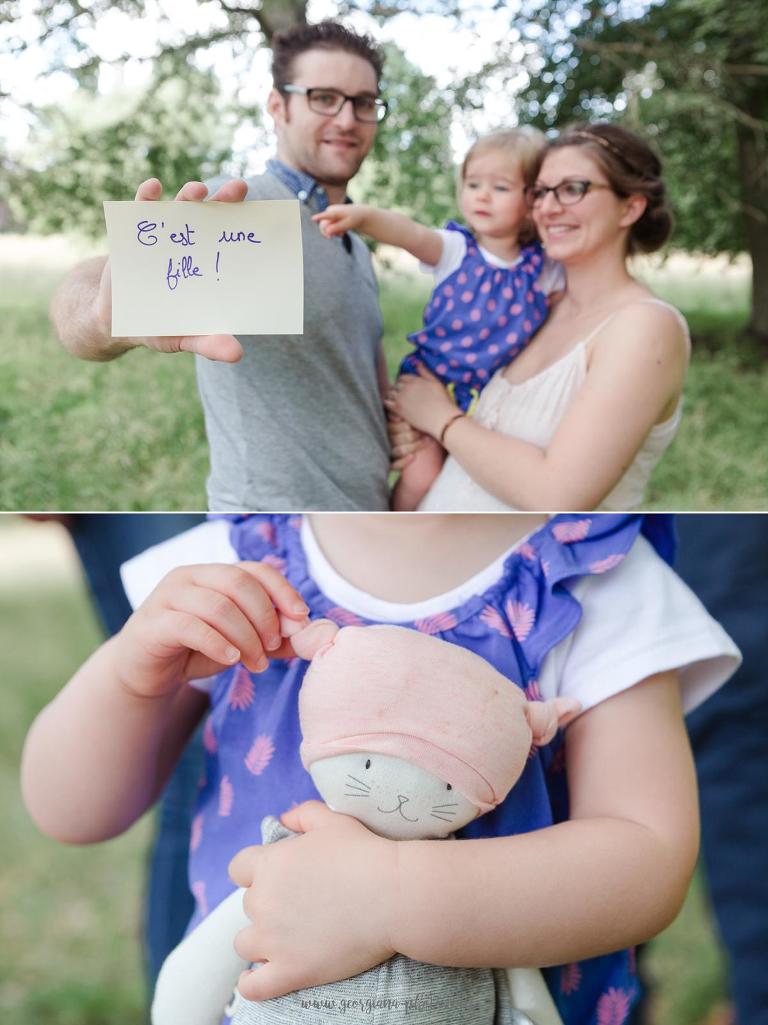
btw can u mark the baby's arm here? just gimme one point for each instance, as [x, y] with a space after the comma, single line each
[98, 755]
[613, 875]
[395, 229]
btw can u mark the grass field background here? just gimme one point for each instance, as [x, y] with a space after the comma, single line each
[129, 434]
[70, 923]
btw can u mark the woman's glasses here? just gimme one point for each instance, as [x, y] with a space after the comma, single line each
[566, 193]
[366, 108]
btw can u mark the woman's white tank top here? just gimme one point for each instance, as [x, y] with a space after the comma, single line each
[532, 411]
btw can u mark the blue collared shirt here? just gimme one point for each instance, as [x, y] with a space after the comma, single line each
[305, 188]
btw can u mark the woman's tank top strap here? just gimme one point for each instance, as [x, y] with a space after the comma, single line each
[637, 302]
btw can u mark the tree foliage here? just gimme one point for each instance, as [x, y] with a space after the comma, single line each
[97, 147]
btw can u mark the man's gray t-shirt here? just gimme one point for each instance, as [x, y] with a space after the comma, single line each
[298, 423]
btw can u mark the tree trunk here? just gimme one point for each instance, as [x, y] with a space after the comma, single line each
[278, 15]
[753, 174]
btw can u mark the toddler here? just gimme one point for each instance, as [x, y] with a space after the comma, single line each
[492, 280]
[592, 850]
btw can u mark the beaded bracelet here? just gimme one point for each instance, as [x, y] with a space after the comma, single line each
[447, 424]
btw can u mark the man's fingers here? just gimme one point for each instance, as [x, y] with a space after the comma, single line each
[150, 189]
[232, 191]
[219, 348]
[192, 192]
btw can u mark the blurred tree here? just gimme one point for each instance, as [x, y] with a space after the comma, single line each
[91, 148]
[410, 167]
[179, 127]
[691, 74]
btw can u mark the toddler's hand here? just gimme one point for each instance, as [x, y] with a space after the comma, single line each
[319, 903]
[339, 218]
[201, 619]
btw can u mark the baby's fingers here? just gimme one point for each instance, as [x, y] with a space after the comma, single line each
[269, 980]
[185, 630]
[224, 615]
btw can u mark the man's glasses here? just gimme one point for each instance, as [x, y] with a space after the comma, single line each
[328, 102]
[566, 193]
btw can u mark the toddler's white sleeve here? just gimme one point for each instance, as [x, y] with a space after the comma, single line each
[454, 251]
[639, 619]
[207, 542]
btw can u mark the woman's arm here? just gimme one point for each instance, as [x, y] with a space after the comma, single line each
[386, 226]
[614, 874]
[633, 381]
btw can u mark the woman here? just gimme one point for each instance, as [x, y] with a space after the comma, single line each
[582, 416]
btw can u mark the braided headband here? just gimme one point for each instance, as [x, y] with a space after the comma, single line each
[596, 138]
[612, 148]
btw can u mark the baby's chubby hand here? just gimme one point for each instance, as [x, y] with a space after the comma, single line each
[201, 619]
[320, 903]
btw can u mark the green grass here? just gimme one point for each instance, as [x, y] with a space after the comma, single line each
[70, 920]
[69, 928]
[130, 435]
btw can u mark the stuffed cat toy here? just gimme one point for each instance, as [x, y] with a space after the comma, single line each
[414, 737]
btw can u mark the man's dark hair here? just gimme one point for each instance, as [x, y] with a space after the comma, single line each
[325, 35]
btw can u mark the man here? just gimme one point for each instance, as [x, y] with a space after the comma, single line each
[293, 422]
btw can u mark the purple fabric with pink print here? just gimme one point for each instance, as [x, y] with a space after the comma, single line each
[478, 319]
[252, 735]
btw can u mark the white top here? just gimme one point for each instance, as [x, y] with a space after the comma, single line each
[551, 279]
[638, 619]
[532, 411]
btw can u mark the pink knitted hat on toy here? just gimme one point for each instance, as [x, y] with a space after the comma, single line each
[394, 691]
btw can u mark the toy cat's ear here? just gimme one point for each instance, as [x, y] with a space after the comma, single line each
[546, 717]
[308, 639]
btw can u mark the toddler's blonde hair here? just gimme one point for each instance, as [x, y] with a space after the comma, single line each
[525, 145]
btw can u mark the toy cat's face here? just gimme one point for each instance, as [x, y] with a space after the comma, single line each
[390, 796]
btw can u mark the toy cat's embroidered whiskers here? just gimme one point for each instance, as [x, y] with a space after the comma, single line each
[442, 812]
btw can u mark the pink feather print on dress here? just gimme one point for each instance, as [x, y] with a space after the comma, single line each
[196, 833]
[267, 532]
[343, 617]
[613, 1007]
[567, 533]
[260, 755]
[437, 623]
[570, 978]
[209, 737]
[527, 551]
[198, 892]
[521, 617]
[494, 619]
[603, 565]
[241, 691]
[226, 797]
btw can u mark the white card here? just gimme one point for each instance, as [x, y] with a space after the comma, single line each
[206, 268]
